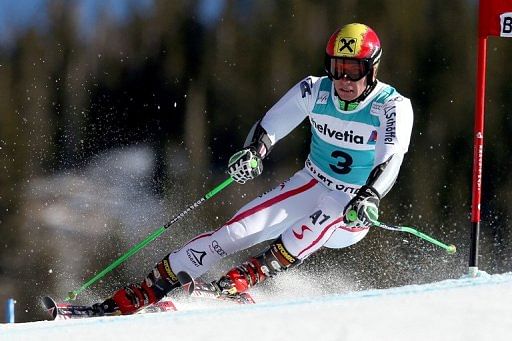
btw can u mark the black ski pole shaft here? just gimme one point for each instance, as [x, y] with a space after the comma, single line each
[73, 294]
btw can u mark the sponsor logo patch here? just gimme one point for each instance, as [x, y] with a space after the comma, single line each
[323, 96]
[373, 138]
[196, 257]
[216, 247]
[347, 46]
[170, 273]
[376, 109]
[347, 136]
[284, 253]
[305, 87]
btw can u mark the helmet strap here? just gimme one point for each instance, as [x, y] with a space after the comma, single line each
[370, 84]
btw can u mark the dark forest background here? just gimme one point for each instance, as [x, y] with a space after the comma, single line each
[109, 129]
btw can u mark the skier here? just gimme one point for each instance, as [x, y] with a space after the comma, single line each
[360, 131]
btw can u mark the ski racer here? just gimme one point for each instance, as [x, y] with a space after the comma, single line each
[360, 131]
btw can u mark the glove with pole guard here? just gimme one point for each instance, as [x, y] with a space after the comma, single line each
[363, 209]
[245, 165]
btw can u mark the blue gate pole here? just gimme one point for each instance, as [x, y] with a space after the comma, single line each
[9, 310]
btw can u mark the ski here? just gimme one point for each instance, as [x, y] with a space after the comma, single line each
[201, 289]
[65, 311]
[195, 288]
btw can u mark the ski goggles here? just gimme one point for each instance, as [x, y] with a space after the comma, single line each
[353, 69]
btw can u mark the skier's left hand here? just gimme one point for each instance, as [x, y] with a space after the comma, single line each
[363, 209]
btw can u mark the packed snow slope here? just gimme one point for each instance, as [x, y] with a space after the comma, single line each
[461, 309]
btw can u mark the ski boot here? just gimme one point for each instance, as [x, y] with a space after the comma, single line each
[132, 298]
[256, 269]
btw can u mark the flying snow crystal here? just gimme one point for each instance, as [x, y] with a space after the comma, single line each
[175, 104]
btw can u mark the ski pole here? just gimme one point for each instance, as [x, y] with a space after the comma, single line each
[450, 249]
[73, 294]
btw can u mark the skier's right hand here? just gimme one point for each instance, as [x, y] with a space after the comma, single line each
[245, 165]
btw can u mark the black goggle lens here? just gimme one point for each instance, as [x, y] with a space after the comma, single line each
[353, 69]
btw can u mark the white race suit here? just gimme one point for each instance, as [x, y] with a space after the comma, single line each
[307, 209]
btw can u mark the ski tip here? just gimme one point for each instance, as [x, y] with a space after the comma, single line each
[50, 306]
[187, 282]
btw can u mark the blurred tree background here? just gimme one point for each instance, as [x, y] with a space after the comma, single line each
[115, 115]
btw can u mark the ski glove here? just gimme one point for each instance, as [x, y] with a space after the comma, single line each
[363, 209]
[245, 165]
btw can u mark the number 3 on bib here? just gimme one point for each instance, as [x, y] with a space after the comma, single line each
[344, 163]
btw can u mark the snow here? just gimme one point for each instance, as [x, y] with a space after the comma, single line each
[458, 309]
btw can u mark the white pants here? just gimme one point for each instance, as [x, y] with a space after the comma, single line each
[306, 214]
